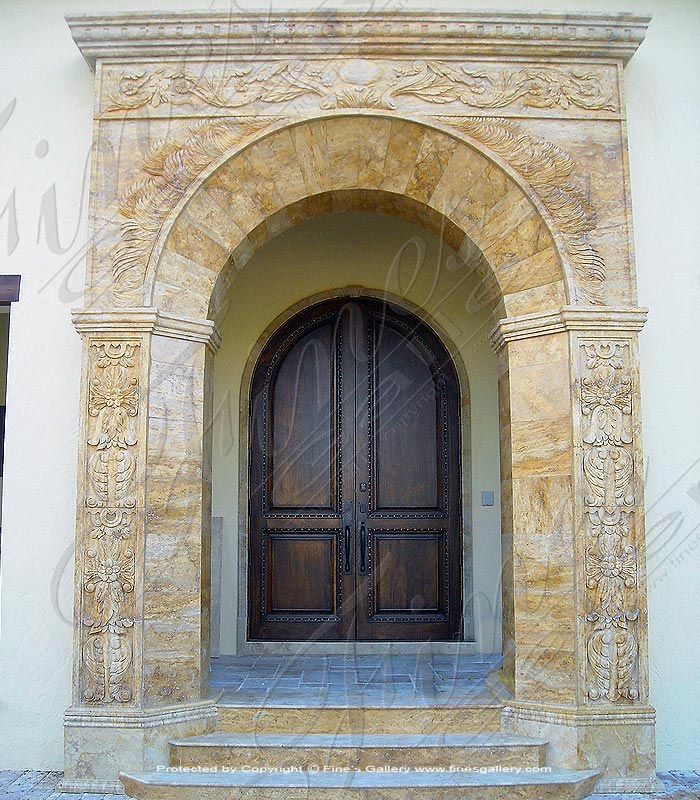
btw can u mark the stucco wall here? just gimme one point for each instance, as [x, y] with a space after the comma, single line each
[45, 140]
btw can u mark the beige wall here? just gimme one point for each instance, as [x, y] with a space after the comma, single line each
[383, 254]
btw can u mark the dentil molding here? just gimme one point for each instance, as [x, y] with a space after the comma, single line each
[224, 34]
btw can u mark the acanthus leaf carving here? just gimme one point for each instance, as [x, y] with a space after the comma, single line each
[108, 567]
[167, 85]
[172, 166]
[549, 171]
[609, 472]
[612, 651]
[611, 570]
[363, 83]
[534, 87]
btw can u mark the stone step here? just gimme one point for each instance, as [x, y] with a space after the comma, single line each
[481, 718]
[414, 785]
[357, 751]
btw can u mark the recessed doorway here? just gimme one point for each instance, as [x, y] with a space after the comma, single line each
[355, 484]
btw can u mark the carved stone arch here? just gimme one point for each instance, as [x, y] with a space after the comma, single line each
[505, 134]
[521, 239]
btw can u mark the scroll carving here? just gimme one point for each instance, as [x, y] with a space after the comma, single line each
[606, 396]
[363, 83]
[108, 561]
[171, 167]
[549, 170]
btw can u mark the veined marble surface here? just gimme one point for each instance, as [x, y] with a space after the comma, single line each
[37, 785]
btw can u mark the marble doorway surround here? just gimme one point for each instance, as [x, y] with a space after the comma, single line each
[506, 134]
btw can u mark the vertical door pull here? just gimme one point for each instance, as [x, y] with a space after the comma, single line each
[348, 536]
[363, 548]
[346, 547]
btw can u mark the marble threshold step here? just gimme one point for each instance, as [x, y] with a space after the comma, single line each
[413, 785]
[357, 751]
[444, 718]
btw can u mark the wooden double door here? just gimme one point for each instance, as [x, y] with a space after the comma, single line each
[355, 509]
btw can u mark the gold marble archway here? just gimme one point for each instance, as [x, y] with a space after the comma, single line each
[525, 177]
[387, 164]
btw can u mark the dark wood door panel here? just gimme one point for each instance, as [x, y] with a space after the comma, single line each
[301, 571]
[302, 428]
[354, 456]
[405, 433]
[297, 483]
[399, 588]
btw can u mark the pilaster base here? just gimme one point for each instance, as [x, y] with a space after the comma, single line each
[617, 742]
[99, 742]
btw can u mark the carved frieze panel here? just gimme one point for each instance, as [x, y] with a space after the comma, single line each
[301, 86]
[607, 396]
[107, 555]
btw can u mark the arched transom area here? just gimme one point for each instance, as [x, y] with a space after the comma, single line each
[359, 162]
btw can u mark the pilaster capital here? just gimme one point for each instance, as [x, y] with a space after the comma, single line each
[567, 318]
[123, 321]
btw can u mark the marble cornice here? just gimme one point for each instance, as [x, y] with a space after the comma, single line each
[568, 318]
[221, 34]
[123, 321]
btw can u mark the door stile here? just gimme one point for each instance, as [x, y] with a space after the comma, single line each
[346, 376]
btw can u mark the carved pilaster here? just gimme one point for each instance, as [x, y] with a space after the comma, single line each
[110, 520]
[122, 553]
[610, 509]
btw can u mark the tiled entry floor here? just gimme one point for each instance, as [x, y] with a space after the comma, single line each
[373, 680]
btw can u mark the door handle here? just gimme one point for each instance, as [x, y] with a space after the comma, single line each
[363, 549]
[346, 547]
[362, 519]
[348, 536]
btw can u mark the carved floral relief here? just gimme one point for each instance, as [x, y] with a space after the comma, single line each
[606, 395]
[108, 560]
[362, 83]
